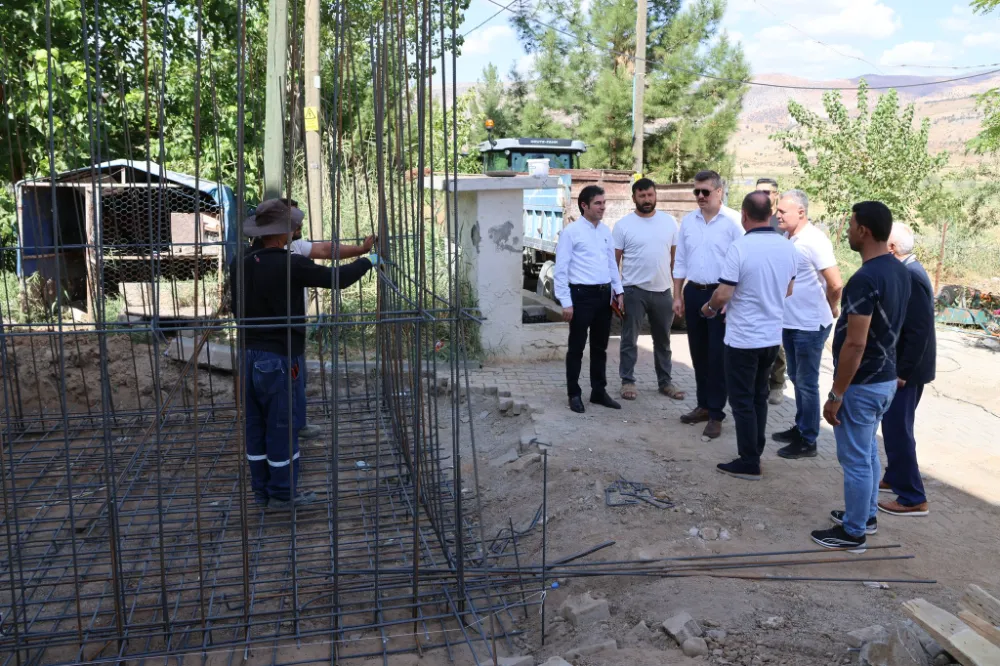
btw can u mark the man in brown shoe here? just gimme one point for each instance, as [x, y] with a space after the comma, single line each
[705, 237]
[916, 358]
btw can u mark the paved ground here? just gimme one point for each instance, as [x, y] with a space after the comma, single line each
[956, 422]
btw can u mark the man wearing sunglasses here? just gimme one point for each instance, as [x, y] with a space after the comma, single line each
[704, 239]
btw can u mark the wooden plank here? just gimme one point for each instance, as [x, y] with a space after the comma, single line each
[982, 603]
[981, 626]
[955, 636]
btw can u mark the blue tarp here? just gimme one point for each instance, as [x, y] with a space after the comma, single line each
[39, 217]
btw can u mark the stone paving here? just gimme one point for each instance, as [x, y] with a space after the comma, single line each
[956, 425]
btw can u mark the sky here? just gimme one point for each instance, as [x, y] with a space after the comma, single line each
[815, 39]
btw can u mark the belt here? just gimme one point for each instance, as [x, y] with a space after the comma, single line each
[591, 287]
[703, 287]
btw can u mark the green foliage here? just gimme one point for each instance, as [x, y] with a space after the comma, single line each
[489, 102]
[873, 154]
[584, 71]
[988, 139]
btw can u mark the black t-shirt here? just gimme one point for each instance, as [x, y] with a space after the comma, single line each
[269, 298]
[880, 289]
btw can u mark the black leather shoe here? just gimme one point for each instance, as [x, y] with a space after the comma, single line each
[576, 404]
[605, 400]
[799, 449]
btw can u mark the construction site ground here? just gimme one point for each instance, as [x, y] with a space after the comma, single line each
[766, 621]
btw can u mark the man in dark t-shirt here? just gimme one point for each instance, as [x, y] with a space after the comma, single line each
[268, 305]
[864, 379]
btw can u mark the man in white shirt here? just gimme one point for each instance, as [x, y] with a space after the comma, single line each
[645, 242]
[317, 250]
[586, 279]
[809, 316]
[777, 381]
[704, 239]
[756, 279]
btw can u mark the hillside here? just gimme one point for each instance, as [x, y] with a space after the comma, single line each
[949, 106]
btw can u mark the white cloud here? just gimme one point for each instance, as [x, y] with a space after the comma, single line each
[811, 59]
[525, 64]
[492, 39]
[917, 53]
[829, 18]
[981, 39]
[960, 20]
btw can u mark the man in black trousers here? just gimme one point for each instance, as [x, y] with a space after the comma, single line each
[916, 359]
[586, 281]
[704, 239]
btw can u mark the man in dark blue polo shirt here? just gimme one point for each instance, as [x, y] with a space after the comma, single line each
[916, 358]
[864, 382]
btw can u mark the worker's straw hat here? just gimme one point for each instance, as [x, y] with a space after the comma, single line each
[271, 218]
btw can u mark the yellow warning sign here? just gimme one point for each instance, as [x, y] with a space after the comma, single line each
[312, 119]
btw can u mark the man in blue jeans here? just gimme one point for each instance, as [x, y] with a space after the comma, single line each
[809, 315]
[916, 360]
[864, 381]
[268, 305]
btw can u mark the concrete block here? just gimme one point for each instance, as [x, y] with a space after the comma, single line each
[517, 409]
[506, 405]
[505, 458]
[526, 660]
[555, 661]
[582, 609]
[594, 648]
[639, 635]
[859, 637]
[682, 627]
[695, 647]
[931, 646]
[901, 648]
[524, 462]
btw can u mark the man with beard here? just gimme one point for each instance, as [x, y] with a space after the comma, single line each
[645, 243]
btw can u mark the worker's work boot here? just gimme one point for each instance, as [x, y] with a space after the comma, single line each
[310, 432]
[301, 499]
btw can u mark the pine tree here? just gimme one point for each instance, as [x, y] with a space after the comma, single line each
[695, 76]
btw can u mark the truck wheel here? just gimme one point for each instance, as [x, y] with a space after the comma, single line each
[546, 283]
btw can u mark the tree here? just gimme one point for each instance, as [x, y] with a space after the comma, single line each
[876, 154]
[988, 139]
[489, 102]
[584, 68]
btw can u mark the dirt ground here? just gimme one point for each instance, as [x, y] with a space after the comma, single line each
[765, 622]
[955, 545]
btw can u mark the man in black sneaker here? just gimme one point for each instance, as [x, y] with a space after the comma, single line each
[586, 280]
[864, 359]
[809, 315]
[271, 316]
[757, 277]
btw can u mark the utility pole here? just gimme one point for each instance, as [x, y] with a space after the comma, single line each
[639, 83]
[314, 160]
[274, 116]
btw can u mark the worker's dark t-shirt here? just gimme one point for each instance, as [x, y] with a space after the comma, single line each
[880, 290]
[269, 298]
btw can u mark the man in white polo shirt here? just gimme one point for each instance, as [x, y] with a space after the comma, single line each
[809, 316]
[756, 279]
[702, 243]
[645, 242]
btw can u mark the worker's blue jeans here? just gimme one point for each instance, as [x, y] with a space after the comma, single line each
[803, 353]
[272, 446]
[857, 450]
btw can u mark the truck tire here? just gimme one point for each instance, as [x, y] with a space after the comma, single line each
[546, 282]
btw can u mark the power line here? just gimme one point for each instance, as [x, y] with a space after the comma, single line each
[749, 82]
[811, 38]
[493, 16]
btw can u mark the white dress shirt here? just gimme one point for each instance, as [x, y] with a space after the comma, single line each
[585, 254]
[702, 245]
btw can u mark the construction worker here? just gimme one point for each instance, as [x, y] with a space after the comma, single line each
[272, 315]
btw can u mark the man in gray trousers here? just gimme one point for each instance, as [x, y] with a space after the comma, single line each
[645, 242]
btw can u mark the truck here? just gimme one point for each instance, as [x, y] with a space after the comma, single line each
[547, 211]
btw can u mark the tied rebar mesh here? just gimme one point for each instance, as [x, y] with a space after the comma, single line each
[128, 530]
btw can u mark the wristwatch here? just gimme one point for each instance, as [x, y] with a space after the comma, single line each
[833, 397]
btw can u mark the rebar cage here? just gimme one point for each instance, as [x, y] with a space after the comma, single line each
[129, 529]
